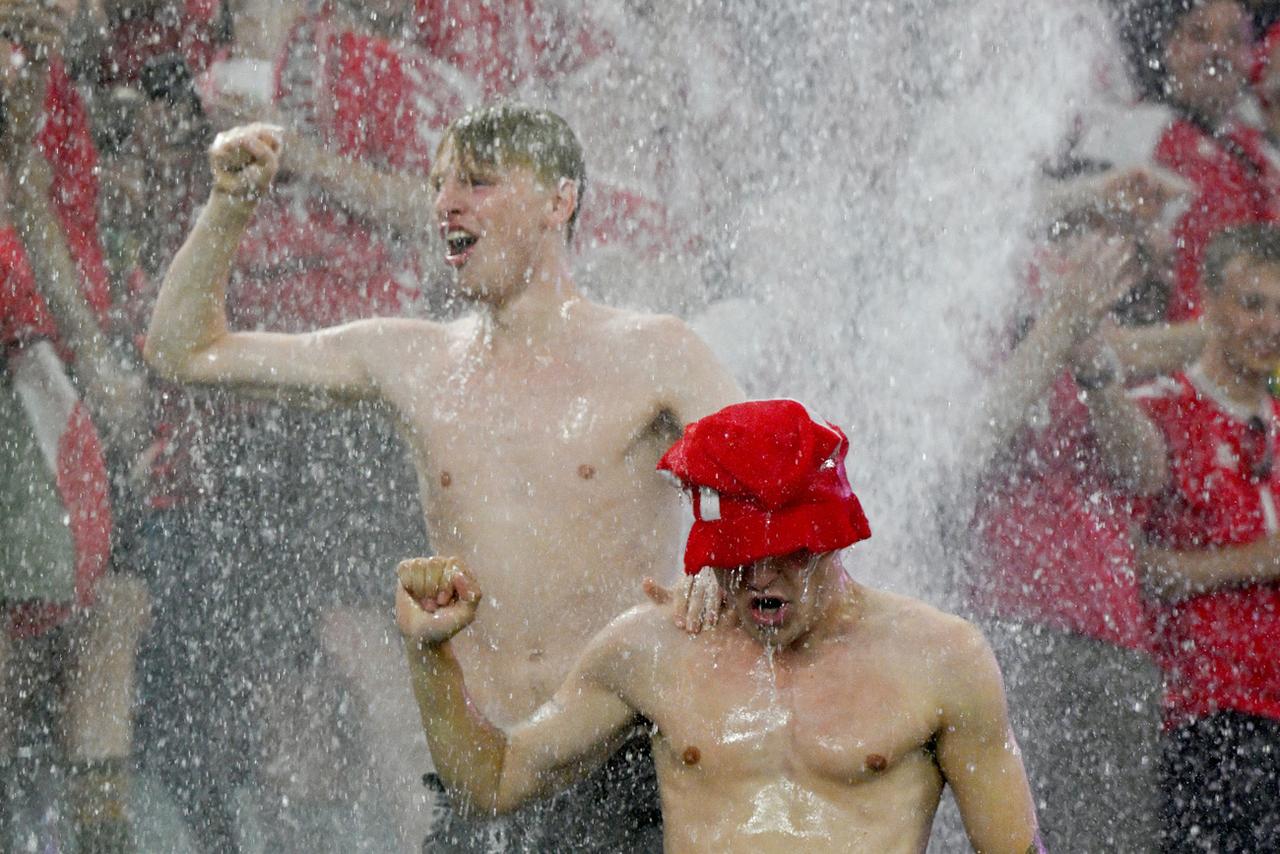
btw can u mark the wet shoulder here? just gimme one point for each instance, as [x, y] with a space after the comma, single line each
[638, 635]
[651, 333]
[923, 632]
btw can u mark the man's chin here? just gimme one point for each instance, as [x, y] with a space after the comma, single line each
[773, 636]
[463, 287]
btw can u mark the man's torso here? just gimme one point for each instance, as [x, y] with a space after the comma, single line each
[832, 750]
[1217, 648]
[536, 465]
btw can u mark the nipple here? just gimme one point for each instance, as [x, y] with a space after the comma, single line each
[586, 471]
[445, 479]
[876, 762]
[691, 755]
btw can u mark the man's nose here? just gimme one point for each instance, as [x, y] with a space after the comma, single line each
[449, 198]
[760, 575]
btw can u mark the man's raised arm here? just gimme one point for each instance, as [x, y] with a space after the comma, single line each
[492, 770]
[188, 340]
[978, 755]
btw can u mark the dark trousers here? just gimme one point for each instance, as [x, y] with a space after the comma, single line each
[1220, 785]
[615, 809]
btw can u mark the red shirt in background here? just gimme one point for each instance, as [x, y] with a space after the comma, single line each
[189, 29]
[1054, 533]
[65, 141]
[306, 261]
[81, 474]
[1217, 649]
[1235, 182]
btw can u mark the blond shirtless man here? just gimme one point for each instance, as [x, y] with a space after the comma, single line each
[826, 717]
[534, 423]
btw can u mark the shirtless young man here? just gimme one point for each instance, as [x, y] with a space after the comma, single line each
[827, 717]
[534, 423]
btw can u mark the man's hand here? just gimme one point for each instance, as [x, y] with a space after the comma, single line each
[697, 600]
[244, 160]
[435, 599]
[1144, 193]
[1092, 274]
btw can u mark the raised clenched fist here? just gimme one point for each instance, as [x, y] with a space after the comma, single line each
[244, 160]
[436, 597]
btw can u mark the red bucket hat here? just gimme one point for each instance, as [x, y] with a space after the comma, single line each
[767, 480]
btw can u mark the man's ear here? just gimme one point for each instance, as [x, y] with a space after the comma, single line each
[564, 201]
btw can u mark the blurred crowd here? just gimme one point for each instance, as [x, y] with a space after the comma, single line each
[146, 527]
[1124, 556]
[1124, 551]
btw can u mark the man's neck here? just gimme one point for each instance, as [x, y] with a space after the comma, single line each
[537, 308]
[1242, 387]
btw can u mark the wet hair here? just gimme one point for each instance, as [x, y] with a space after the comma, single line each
[509, 134]
[1257, 240]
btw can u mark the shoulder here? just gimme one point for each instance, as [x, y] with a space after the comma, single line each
[931, 631]
[948, 651]
[630, 639]
[654, 332]
[647, 341]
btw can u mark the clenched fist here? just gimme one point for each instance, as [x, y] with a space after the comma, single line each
[244, 160]
[435, 599]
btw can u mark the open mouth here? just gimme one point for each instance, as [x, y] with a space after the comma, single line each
[458, 245]
[768, 610]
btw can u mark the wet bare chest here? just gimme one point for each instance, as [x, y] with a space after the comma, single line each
[841, 723]
[518, 424]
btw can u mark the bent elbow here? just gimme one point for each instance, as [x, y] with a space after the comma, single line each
[163, 363]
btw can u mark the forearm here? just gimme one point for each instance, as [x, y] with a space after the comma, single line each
[467, 750]
[1028, 375]
[190, 312]
[1154, 350]
[1173, 574]
[402, 202]
[54, 271]
[1132, 448]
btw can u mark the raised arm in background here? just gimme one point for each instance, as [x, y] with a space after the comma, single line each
[188, 340]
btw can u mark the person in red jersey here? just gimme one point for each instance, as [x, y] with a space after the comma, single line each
[1052, 571]
[1204, 56]
[1211, 554]
[822, 715]
[57, 592]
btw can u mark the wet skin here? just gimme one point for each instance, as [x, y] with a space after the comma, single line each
[839, 740]
[534, 424]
